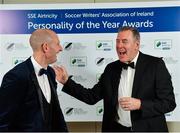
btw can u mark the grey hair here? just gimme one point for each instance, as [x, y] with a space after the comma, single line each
[134, 30]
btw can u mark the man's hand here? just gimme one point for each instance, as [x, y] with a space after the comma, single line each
[129, 103]
[61, 74]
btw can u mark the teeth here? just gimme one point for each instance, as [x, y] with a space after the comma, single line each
[122, 53]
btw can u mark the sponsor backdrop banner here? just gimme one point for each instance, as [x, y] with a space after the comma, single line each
[88, 35]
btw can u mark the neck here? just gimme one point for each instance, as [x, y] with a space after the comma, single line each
[133, 57]
[40, 60]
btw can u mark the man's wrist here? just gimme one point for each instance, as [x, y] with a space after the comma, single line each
[139, 104]
[66, 78]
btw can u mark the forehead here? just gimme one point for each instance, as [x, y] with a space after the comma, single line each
[55, 38]
[125, 34]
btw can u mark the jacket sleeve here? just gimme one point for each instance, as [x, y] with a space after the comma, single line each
[89, 95]
[164, 100]
[10, 98]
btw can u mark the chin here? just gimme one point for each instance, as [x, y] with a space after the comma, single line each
[52, 61]
[122, 59]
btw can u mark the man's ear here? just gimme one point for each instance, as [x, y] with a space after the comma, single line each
[138, 44]
[44, 47]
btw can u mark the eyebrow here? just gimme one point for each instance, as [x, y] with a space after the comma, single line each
[122, 40]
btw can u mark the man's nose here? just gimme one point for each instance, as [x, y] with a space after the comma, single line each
[60, 48]
[119, 44]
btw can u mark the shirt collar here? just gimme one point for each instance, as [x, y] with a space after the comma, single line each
[135, 59]
[36, 65]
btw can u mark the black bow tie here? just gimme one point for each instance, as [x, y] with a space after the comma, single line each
[125, 66]
[42, 71]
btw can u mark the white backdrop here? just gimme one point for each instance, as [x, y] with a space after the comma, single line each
[85, 54]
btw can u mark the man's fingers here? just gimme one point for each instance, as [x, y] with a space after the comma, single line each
[126, 103]
[60, 69]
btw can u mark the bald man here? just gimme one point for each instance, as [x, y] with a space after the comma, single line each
[28, 97]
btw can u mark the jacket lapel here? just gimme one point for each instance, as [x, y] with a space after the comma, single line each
[36, 84]
[52, 85]
[138, 75]
[116, 72]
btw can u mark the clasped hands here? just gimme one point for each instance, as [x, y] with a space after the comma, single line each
[129, 103]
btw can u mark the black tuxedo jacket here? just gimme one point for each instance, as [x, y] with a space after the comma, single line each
[21, 106]
[152, 84]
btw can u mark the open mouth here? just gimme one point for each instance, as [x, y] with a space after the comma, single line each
[122, 53]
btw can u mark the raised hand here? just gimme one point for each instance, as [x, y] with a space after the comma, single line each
[61, 74]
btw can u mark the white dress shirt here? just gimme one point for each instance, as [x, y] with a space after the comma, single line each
[125, 90]
[42, 80]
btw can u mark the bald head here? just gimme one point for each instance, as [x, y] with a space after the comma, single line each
[41, 36]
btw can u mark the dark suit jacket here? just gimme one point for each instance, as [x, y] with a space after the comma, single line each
[152, 84]
[21, 107]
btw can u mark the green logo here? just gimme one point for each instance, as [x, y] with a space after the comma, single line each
[99, 110]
